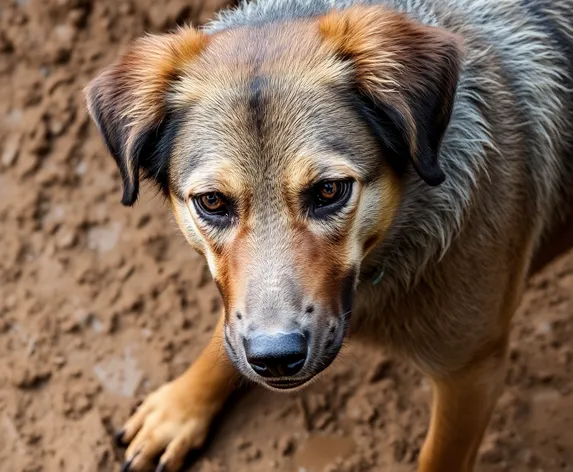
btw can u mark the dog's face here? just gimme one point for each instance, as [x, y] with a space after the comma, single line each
[281, 150]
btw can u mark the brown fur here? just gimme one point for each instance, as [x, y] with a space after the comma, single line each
[411, 55]
[133, 92]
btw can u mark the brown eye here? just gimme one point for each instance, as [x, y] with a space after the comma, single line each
[212, 201]
[214, 208]
[328, 197]
[328, 190]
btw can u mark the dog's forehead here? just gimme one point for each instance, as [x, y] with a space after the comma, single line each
[273, 45]
[259, 105]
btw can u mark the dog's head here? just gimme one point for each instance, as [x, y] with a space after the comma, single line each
[281, 149]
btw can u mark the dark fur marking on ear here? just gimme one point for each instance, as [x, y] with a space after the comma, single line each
[156, 161]
[111, 132]
[432, 112]
[150, 148]
[150, 152]
[387, 127]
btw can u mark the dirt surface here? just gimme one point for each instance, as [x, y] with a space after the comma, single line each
[100, 304]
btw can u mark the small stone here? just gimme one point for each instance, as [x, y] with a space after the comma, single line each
[82, 404]
[10, 301]
[104, 238]
[119, 375]
[64, 33]
[11, 150]
[147, 334]
[545, 377]
[70, 325]
[253, 455]
[400, 449]
[286, 446]
[243, 444]
[29, 379]
[529, 458]
[56, 127]
[565, 356]
[81, 168]
[545, 327]
[491, 450]
[380, 370]
[66, 240]
[125, 8]
[360, 409]
[77, 17]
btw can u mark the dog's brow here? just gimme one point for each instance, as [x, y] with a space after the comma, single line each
[256, 104]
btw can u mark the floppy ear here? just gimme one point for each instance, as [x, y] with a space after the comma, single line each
[406, 74]
[128, 102]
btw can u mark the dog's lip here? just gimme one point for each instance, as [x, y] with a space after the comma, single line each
[286, 384]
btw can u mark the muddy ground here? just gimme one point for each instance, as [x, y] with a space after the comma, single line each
[100, 304]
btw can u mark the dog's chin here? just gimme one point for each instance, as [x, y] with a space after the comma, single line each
[293, 385]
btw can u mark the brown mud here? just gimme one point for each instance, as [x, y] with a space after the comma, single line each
[100, 304]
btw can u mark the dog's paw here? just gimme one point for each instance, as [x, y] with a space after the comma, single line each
[171, 422]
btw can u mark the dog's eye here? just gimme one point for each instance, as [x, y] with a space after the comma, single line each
[212, 202]
[213, 206]
[328, 197]
[328, 191]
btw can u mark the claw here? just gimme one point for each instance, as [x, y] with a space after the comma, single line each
[127, 464]
[136, 406]
[161, 467]
[118, 438]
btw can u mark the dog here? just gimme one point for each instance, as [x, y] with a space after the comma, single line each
[395, 169]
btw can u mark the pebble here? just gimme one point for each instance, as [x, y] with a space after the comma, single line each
[11, 150]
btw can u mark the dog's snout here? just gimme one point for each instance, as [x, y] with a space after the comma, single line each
[280, 355]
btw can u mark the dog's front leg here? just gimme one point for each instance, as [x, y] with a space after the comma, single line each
[462, 406]
[176, 418]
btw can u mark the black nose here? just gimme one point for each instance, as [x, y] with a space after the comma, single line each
[281, 355]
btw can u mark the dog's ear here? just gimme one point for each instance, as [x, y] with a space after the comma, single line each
[406, 74]
[128, 102]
